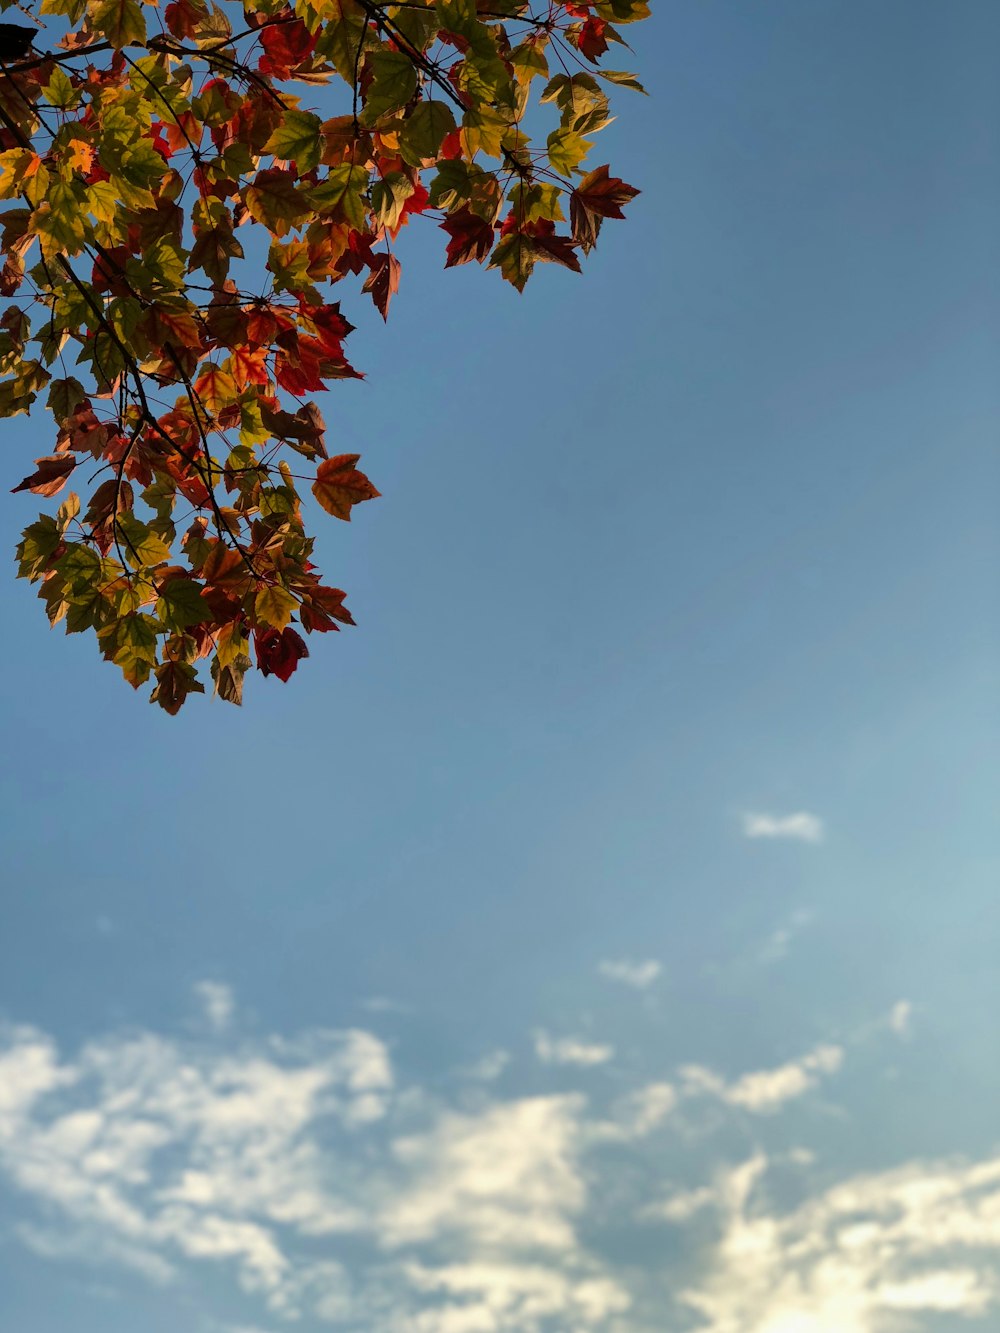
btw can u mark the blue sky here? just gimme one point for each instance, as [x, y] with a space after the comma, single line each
[602, 936]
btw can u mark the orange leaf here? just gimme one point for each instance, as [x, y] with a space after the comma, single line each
[216, 388]
[339, 485]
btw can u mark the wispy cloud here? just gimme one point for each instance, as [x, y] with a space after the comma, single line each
[217, 1002]
[570, 1051]
[901, 1018]
[866, 1256]
[384, 1004]
[777, 944]
[156, 1155]
[334, 1193]
[798, 827]
[764, 1091]
[489, 1067]
[631, 972]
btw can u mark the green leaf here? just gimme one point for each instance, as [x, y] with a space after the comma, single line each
[341, 195]
[297, 139]
[59, 92]
[67, 511]
[134, 647]
[273, 606]
[60, 219]
[120, 21]
[529, 61]
[74, 10]
[451, 187]
[272, 199]
[142, 547]
[515, 257]
[65, 396]
[394, 81]
[340, 40]
[389, 197]
[534, 201]
[483, 131]
[567, 150]
[623, 79]
[39, 542]
[583, 107]
[424, 131]
[181, 604]
[102, 201]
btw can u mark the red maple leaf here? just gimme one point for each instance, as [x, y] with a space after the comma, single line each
[279, 651]
[598, 196]
[286, 45]
[321, 607]
[592, 43]
[472, 237]
[549, 246]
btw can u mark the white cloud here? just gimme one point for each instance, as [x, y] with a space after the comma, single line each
[631, 972]
[504, 1295]
[798, 827]
[465, 1211]
[241, 1163]
[682, 1206]
[775, 948]
[764, 1091]
[490, 1067]
[570, 1051]
[645, 1109]
[217, 1002]
[384, 1004]
[858, 1258]
[901, 1017]
[151, 1154]
[506, 1176]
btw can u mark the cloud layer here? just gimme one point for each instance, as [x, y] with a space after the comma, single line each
[330, 1191]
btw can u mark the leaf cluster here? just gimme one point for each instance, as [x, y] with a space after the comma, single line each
[154, 165]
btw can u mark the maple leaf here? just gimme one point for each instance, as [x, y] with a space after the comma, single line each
[297, 139]
[279, 651]
[180, 602]
[551, 247]
[183, 17]
[120, 21]
[50, 475]
[286, 45]
[472, 237]
[174, 682]
[383, 281]
[321, 608]
[216, 388]
[599, 195]
[273, 200]
[592, 42]
[339, 485]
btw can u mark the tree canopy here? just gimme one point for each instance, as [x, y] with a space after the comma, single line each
[177, 361]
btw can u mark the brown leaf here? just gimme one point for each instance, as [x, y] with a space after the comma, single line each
[50, 477]
[383, 281]
[339, 485]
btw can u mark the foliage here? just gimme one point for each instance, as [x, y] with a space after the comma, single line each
[133, 148]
